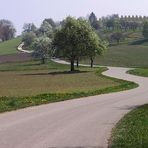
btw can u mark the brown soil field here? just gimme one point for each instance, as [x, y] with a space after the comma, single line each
[19, 57]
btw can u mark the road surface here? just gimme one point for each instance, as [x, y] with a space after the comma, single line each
[79, 123]
[20, 48]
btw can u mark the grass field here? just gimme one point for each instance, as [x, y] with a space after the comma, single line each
[9, 47]
[132, 52]
[32, 65]
[132, 130]
[139, 72]
[140, 42]
[27, 84]
[124, 56]
[31, 78]
[130, 37]
[43, 81]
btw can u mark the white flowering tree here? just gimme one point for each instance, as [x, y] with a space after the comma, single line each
[46, 29]
[42, 48]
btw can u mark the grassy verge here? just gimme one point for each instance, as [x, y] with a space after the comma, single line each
[132, 130]
[139, 72]
[9, 47]
[13, 103]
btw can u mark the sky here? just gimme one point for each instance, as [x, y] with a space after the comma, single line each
[34, 11]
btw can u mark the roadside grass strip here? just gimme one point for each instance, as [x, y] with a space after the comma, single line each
[132, 130]
[139, 72]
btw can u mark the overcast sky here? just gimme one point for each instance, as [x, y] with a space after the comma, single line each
[27, 11]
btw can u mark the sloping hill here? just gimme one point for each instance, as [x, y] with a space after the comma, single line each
[123, 56]
[9, 47]
[141, 42]
[9, 53]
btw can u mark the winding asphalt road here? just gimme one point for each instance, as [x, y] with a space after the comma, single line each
[20, 48]
[79, 123]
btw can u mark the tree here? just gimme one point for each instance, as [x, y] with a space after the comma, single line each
[29, 27]
[46, 29]
[42, 48]
[117, 36]
[28, 38]
[94, 22]
[92, 18]
[95, 47]
[51, 22]
[110, 24]
[7, 30]
[75, 40]
[96, 25]
[145, 30]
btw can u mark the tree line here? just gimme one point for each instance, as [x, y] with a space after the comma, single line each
[111, 23]
[74, 40]
[118, 23]
[115, 28]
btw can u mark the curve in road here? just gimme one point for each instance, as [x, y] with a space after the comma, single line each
[20, 48]
[85, 122]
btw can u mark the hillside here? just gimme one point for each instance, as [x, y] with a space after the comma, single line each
[131, 52]
[124, 56]
[9, 47]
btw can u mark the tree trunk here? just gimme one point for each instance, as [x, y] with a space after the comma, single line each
[43, 60]
[72, 65]
[77, 63]
[92, 62]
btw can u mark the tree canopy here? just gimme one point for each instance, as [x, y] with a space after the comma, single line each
[7, 30]
[28, 38]
[46, 29]
[145, 30]
[29, 27]
[76, 40]
[51, 22]
[42, 48]
[117, 36]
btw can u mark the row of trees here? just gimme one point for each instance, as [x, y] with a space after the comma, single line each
[116, 23]
[77, 40]
[117, 27]
[31, 32]
[74, 40]
[118, 36]
[108, 23]
[145, 30]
